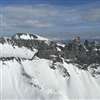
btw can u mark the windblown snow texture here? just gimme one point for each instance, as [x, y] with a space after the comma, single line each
[33, 68]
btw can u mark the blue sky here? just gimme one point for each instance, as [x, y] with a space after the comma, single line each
[53, 2]
[56, 19]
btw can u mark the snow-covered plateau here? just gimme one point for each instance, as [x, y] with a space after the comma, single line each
[38, 69]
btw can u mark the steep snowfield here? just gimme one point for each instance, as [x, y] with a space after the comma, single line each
[31, 80]
[81, 84]
[35, 80]
[7, 50]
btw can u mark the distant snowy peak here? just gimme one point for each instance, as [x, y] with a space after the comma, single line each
[29, 36]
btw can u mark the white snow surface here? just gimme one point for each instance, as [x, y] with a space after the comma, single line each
[60, 44]
[7, 50]
[42, 38]
[35, 80]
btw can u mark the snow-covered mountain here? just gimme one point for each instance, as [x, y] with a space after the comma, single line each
[28, 36]
[35, 68]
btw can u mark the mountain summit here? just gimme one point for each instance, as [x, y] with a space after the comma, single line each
[28, 36]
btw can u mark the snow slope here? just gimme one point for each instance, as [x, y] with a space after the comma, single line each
[81, 84]
[30, 80]
[35, 80]
[7, 50]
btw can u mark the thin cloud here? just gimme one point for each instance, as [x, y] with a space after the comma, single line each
[92, 14]
[37, 23]
[50, 19]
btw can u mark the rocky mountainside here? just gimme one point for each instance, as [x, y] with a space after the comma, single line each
[47, 69]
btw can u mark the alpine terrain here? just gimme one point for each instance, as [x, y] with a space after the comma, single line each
[36, 68]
